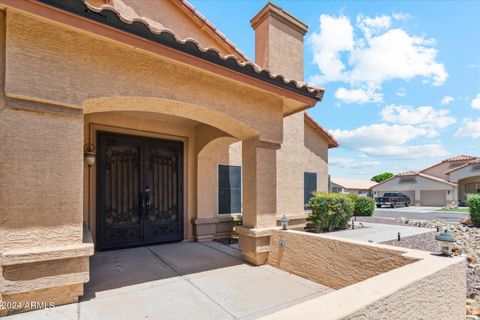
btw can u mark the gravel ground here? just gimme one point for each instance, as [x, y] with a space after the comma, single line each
[424, 241]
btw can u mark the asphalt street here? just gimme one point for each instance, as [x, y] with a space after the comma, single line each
[420, 213]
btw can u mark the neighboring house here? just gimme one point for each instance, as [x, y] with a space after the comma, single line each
[357, 186]
[443, 184]
[137, 123]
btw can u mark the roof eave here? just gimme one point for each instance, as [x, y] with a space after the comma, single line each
[107, 23]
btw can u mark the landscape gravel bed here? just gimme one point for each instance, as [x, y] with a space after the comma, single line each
[467, 245]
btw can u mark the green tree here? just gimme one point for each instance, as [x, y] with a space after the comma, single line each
[382, 177]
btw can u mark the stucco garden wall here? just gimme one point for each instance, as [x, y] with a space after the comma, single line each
[333, 263]
[412, 284]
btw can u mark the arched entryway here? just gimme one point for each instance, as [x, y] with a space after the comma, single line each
[131, 198]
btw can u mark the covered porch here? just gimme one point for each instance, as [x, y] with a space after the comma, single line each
[188, 280]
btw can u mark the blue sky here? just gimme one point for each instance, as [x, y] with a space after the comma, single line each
[402, 78]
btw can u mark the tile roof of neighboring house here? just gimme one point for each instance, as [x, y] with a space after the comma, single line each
[460, 158]
[474, 161]
[332, 142]
[452, 159]
[354, 183]
[418, 174]
[155, 32]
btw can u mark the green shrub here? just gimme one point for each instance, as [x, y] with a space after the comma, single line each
[364, 206]
[330, 211]
[473, 201]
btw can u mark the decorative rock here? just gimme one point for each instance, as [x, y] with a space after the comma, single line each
[466, 221]
[471, 258]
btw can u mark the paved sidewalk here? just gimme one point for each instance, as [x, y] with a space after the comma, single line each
[376, 232]
[187, 280]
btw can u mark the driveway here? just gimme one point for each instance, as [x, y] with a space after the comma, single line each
[187, 280]
[376, 232]
[420, 213]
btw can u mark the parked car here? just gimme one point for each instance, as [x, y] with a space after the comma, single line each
[392, 200]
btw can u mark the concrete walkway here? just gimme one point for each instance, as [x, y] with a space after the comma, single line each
[375, 232]
[187, 280]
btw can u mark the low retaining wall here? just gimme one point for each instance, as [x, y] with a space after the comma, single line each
[373, 281]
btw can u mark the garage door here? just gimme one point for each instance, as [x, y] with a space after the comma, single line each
[411, 195]
[437, 198]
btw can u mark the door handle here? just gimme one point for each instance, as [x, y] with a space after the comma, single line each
[147, 198]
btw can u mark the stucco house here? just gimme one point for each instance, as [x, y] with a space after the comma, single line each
[356, 186]
[443, 184]
[128, 123]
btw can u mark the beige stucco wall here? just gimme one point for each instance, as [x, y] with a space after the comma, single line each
[219, 151]
[315, 156]
[44, 51]
[428, 287]
[463, 173]
[440, 169]
[333, 263]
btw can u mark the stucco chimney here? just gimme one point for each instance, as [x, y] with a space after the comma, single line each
[279, 41]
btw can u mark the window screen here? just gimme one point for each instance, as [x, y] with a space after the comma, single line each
[229, 189]
[309, 186]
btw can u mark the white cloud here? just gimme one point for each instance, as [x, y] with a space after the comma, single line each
[379, 134]
[350, 163]
[470, 129]
[388, 140]
[408, 152]
[358, 95]
[335, 36]
[370, 26]
[401, 16]
[476, 102]
[402, 92]
[473, 65]
[446, 100]
[380, 53]
[422, 117]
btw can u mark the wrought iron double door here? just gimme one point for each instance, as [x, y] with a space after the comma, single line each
[139, 191]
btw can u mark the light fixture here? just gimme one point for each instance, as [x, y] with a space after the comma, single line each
[445, 241]
[284, 220]
[89, 154]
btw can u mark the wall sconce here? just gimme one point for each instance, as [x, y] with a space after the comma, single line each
[284, 220]
[89, 154]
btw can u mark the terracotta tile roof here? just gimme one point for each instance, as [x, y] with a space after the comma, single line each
[408, 174]
[475, 161]
[332, 142]
[193, 11]
[154, 31]
[460, 158]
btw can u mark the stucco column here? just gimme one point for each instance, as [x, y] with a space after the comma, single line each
[259, 198]
[43, 247]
